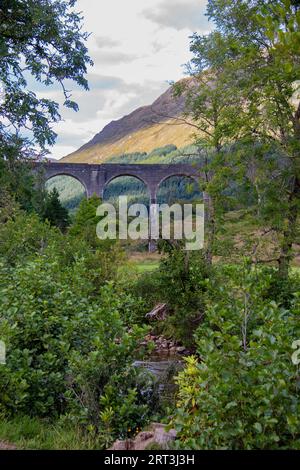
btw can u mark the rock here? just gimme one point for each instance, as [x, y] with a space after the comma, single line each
[156, 435]
[144, 435]
[180, 349]
[122, 445]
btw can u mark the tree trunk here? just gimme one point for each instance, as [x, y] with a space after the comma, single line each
[211, 229]
[289, 234]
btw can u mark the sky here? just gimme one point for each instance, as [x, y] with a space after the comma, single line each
[138, 47]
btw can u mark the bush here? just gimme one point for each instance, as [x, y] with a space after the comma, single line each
[181, 282]
[24, 236]
[52, 327]
[44, 314]
[242, 391]
[184, 278]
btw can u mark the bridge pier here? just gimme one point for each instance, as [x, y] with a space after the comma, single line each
[153, 219]
[96, 184]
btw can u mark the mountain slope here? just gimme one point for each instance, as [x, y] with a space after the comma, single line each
[142, 130]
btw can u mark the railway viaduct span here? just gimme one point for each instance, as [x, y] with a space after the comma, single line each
[95, 177]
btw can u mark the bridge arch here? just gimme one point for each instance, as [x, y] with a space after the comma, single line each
[130, 185]
[182, 174]
[121, 175]
[178, 188]
[69, 175]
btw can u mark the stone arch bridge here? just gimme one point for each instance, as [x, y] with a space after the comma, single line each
[95, 177]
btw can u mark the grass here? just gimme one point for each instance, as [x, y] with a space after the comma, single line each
[146, 266]
[137, 264]
[144, 262]
[37, 434]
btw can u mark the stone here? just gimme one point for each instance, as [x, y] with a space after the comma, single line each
[157, 434]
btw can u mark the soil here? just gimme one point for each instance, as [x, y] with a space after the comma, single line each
[6, 446]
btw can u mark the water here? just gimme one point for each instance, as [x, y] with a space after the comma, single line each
[163, 367]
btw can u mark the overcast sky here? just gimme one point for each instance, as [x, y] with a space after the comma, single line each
[137, 47]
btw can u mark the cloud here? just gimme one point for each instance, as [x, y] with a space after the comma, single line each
[105, 41]
[105, 57]
[182, 14]
[157, 46]
[104, 82]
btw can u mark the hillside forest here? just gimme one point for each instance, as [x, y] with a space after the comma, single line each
[74, 309]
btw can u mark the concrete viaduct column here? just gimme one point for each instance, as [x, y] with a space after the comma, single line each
[153, 217]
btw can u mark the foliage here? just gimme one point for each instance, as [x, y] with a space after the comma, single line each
[162, 151]
[24, 236]
[85, 220]
[117, 415]
[242, 391]
[8, 206]
[54, 212]
[42, 319]
[182, 273]
[71, 191]
[263, 39]
[58, 339]
[46, 40]
[186, 274]
[17, 180]
[32, 433]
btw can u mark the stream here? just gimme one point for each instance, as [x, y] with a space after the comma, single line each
[163, 367]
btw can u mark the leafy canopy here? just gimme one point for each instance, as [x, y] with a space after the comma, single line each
[43, 41]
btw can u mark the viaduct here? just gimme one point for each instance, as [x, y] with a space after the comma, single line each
[94, 178]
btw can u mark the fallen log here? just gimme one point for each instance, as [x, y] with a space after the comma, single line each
[158, 313]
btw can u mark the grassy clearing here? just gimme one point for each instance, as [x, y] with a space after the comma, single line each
[140, 263]
[146, 266]
[36, 434]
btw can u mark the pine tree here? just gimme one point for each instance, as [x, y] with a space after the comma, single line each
[54, 211]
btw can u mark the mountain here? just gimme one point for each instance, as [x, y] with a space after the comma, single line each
[144, 129]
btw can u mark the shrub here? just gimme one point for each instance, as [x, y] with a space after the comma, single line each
[242, 391]
[183, 283]
[52, 327]
[24, 236]
[44, 313]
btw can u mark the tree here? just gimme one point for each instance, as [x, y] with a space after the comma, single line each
[211, 105]
[265, 75]
[86, 220]
[41, 40]
[54, 211]
[17, 179]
